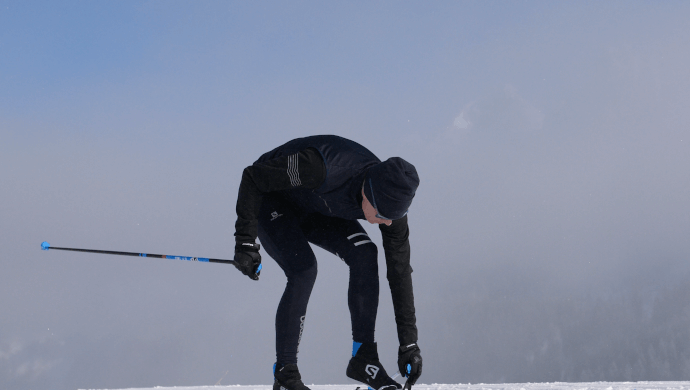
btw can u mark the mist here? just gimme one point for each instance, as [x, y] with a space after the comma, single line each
[549, 233]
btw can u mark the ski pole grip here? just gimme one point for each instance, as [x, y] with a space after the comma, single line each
[45, 246]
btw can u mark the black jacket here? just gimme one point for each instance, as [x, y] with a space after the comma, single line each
[324, 174]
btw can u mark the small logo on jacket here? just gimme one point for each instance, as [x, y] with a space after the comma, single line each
[371, 370]
[275, 215]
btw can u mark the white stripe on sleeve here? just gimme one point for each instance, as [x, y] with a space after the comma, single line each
[293, 171]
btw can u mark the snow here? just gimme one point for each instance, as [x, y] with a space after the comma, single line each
[504, 386]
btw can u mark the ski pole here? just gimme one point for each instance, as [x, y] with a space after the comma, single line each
[46, 246]
[408, 385]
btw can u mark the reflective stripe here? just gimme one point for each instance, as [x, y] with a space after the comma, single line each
[361, 242]
[355, 235]
[292, 171]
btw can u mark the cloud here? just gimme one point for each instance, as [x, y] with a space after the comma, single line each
[12, 348]
[31, 363]
[36, 367]
[460, 122]
[500, 111]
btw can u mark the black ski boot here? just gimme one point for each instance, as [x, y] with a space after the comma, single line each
[287, 378]
[366, 368]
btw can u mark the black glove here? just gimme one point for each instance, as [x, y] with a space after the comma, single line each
[410, 362]
[248, 259]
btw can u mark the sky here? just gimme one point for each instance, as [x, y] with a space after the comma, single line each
[550, 232]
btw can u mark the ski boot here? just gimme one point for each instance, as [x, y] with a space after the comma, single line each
[365, 367]
[287, 377]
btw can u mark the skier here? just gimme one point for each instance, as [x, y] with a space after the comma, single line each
[313, 190]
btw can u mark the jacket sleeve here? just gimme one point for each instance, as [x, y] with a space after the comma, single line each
[396, 245]
[303, 169]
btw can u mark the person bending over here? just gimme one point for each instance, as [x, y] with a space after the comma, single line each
[314, 190]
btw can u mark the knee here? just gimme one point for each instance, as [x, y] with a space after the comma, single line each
[305, 275]
[365, 259]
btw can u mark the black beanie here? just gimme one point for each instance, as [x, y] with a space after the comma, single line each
[391, 185]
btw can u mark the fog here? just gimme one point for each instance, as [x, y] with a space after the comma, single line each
[550, 232]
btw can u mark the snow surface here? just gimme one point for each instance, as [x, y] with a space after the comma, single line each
[504, 386]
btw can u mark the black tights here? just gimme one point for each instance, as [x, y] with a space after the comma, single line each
[285, 234]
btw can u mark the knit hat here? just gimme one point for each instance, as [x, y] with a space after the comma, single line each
[390, 186]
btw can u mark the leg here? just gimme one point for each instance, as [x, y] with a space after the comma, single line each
[284, 241]
[349, 241]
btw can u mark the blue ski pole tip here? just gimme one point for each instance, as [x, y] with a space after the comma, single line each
[45, 246]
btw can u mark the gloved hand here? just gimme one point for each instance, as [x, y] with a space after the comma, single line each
[410, 362]
[248, 259]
